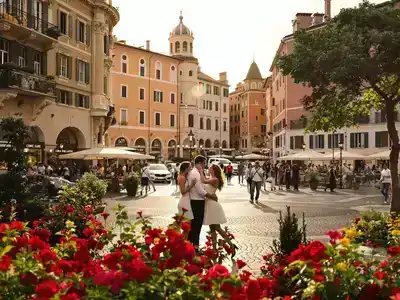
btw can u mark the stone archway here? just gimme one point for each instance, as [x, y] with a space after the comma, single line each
[224, 144]
[70, 139]
[121, 142]
[216, 144]
[208, 143]
[171, 148]
[156, 147]
[140, 145]
[201, 142]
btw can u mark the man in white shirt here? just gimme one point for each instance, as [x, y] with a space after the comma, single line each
[386, 180]
[197, 199]
[257, 176]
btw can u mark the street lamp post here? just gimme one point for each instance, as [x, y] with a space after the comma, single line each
[191, 135]
[341, 164]
[220, 150]
[304, 147]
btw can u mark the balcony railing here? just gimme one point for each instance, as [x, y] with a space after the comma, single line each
[17, 78]
[17, 15]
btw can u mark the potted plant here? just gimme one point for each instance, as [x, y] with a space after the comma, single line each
[53, 32]
[124, 123]
[131, 185]
[314, 181]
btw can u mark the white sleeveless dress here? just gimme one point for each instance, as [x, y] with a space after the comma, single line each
[214, 213]
[184, 202]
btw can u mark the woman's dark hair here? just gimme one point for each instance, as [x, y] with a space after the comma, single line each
[218, 175]
[183, 167]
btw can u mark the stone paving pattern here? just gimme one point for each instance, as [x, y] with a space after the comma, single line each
[255, 226]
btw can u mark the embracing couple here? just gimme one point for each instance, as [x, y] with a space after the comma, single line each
[199, 201]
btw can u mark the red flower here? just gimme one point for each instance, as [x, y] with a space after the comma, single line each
[218, 271]
[334, 235]
[16, 225]
[184, 210]
[28, 279]
[46, 255]
[43, 234]
[245, 275]
[36, 243]
[319, 277]
[88, 232]
[138, 270]
[253, 289]
[105, 215]
[393, 251]
[47, 289]
[186, 226]
[140, 213]
[112, 278]
[72, 296]
[5, 263]
[89, 210]
[379, 275]
[240, 264]
[356, 220]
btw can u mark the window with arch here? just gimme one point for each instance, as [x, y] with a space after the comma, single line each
[124, 66]
[254, 86]
[191, 120]
[185, 47]
[171, 48]
[208, 124]
[177, 47]
[158, 70]
[142, 67]
[173, 74]
[201, 123]
[190, 73]
[191, 47]
[225, 127]
[216, 125]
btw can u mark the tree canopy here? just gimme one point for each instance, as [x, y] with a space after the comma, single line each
[352, 65]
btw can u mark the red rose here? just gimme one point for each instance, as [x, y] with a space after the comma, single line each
[16, 225]
[240, 264]
[245, 275]
[218, 271]
[46, 255]
[319, 277]
[89, 210]
[384, 264]
[36, 243]
[88, 232]
[186, 226]
[393, 251]
[47, 289]
[193, 269]
[379, 275]
[72, 296]
[28, 279]
[253, 290]
[5, 263]
[138, 270]
[43, 234]
[334, 235]
[105, 215]
[184, 210]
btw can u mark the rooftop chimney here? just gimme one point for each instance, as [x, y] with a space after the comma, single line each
[223, 77]
[148, 45]
[327, 10]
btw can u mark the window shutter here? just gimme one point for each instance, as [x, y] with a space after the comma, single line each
[44, 64]
[77, 69]
[30, 57]
[161, 97]
[87, 73]
[58, 95]
[77, 37]
[366, 140]
[88, 34]
[329, 141]
[30, 13]
[311, 142]
[69, 67]
[58, 64]
[154, 95]
[45, 13]
[352, 142]
[70, 25]
[58, 19]
[76, 99]
[291, 142]
[70, 96]
[322, 141]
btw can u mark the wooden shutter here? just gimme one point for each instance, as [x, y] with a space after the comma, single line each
[29, 14]
[352, 140]
[14, 50]
[329, 141]
[377, 140]
[77, 69]
[70, 26]
[87, 102]
[291, 142]
[45, 14]
[30, 57]
[77, 29]
[58, 95]
[154, 95]
[69, 67]
[76, 99]
[88, 34]
[161, 97]
[58, 64]
[311, 142]
[70, 96]
[44, 64]
[366, 140]
[87, 73]
[321, 138]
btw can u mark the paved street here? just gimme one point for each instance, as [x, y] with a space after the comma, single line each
[255, 226]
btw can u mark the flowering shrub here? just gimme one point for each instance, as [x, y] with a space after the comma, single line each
[375, 228]
[154, 263]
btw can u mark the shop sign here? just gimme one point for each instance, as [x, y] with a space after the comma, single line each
[140, 150]
[34, 145]
[63, 151]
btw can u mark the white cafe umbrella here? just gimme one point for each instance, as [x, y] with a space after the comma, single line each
[220, 156]
[304, 155]
[346, 155]
[380, 155]
[106, 153]
[252, 156]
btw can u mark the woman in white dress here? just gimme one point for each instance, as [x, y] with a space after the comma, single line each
[214, 214]
[184, 206]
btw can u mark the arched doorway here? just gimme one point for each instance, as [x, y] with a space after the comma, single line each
[186, 149]
[224, 144]
[140, 145]
[70, 139]
[208, 143]
[201, 142]
[171, 149]
[216, 144]
[34, 145]
[121, 142]
[156, 148]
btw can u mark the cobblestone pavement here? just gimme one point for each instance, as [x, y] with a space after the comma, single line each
[255, 226]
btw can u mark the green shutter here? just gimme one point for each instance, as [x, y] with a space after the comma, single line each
[366, 140]
[161, 97]
[291, 143]
[87, 73]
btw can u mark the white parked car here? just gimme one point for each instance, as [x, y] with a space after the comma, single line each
[160, 173]
[218, 161]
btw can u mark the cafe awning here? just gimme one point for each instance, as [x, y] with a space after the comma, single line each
[106, 153]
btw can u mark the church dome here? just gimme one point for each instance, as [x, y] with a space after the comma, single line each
[181, 29]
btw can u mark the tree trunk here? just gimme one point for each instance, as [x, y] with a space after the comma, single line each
[394, 157]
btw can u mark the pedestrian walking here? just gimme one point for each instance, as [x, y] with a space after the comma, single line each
[288, 177]
[248, 179]
[386, 180]
[280, 176]
[229, 172]
[241, 172]
[256, 176]
[272, 178]
[145, 178]
[295, 177]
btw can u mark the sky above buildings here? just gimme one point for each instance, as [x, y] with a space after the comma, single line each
[228, 33]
